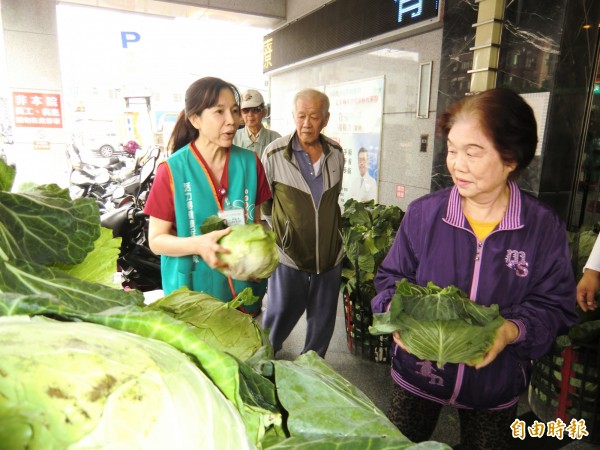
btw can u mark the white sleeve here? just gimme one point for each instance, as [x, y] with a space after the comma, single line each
[593, 261]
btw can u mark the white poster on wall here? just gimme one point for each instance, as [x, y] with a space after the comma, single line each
[539, 102]
[356, 110]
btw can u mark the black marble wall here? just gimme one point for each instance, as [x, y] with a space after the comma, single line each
[545, 48]
[528, 59]
[569, 107]
[456, 60]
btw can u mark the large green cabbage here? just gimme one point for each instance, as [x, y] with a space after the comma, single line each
[438, 324]
[79, 385]
[253, 252]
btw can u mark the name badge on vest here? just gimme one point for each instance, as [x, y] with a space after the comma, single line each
[234, 216]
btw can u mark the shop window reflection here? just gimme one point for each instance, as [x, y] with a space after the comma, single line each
[588, 195]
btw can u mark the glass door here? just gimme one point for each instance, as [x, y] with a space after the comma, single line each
[586, 210]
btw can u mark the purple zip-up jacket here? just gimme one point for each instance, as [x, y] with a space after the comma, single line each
[524, 266]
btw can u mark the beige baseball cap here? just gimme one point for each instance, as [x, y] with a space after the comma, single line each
[252, 98]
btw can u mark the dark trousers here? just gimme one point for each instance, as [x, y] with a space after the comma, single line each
[290, 292]
[417, 418]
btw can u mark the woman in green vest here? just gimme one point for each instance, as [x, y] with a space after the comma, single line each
[205, 175]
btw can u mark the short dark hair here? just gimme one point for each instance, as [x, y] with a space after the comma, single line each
[506, 119]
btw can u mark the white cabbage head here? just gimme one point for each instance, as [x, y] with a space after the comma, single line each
[253, 252]
[68, 385]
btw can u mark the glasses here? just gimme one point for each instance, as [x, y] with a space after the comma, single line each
[254, 110]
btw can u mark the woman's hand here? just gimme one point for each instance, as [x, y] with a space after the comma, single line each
[505, 335]
[587, 288]
[207, 246]
[398, 341]
[162, 241]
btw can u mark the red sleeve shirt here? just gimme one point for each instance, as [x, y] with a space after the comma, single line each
[263, 192]
[160, 200]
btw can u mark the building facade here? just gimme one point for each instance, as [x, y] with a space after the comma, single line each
[548, 51]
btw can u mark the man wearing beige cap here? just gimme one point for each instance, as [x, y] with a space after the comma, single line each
[254, 136]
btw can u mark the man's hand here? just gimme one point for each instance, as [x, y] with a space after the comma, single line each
[587, 288]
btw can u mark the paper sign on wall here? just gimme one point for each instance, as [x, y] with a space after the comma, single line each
[36, 109]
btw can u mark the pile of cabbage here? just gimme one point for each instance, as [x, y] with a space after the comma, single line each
[85, 364]
[368, 232]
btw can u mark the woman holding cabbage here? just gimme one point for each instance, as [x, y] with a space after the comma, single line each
[498, 244]
[206, 175]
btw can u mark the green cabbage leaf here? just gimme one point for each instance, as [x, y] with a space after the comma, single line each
[51, 244]
[45, 226]
[99, 264]
[327, 412]
[350, 443]
[330, 408]
[217, 323]
[441, 325]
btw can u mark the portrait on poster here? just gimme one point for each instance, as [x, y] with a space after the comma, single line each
[355, 122]
[361, 169]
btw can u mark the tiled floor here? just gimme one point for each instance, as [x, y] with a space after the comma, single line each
[374, 380]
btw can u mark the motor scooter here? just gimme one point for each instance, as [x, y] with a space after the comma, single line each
[95, 180]
[138, 265]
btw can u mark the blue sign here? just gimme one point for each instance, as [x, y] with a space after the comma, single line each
[414, 7]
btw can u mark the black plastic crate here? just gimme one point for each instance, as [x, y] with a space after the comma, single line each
[361, 343]
[565, 385]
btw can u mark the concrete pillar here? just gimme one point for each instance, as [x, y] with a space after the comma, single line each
[31, 90]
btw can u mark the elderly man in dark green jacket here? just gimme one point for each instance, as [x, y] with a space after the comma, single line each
[305, 172]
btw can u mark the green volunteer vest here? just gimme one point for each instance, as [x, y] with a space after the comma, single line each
[195, 200]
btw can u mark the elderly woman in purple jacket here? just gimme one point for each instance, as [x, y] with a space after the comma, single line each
[498, 244]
